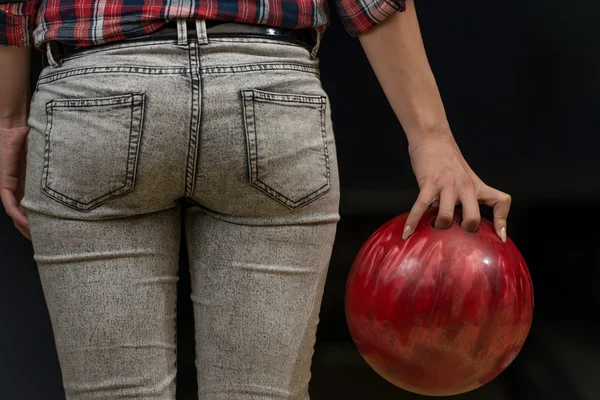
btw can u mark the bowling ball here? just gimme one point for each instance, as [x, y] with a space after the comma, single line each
[443, 312]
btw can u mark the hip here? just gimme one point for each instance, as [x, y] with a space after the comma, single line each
[240, 125]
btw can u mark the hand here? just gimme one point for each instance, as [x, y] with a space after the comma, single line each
[13, 162]
[445, 178]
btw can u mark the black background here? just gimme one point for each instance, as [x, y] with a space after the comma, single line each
[520, 82]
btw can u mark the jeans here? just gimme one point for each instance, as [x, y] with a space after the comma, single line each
[231, 137]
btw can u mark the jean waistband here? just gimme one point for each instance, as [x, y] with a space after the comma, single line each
[171, 31]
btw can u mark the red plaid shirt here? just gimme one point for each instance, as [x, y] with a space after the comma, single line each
[89, 22]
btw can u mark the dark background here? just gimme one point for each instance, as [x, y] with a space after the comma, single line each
[520, 81]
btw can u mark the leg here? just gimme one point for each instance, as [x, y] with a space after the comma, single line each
[257, 292]
[110, 288]
[107, 159]
[261, 235]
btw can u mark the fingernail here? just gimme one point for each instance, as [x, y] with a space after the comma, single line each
[503, 234]
[406, 232]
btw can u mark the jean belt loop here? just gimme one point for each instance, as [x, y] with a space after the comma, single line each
[201, 31]
[182, 38]
[50, 56]
[315, 49]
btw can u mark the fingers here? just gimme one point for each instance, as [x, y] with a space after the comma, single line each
[445, 197]
[426, 197]
[501, 202]
[470, 209]
[436, 203]
[24, 231]
[16, 213]
[446, 210]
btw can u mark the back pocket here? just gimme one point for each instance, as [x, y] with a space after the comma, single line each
[92, 148]
[287, 145]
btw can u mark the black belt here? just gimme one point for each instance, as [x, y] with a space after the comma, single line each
[303, 37]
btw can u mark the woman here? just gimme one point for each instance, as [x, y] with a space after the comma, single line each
[152, 115]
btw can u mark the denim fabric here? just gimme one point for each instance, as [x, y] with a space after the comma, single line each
[231, 137]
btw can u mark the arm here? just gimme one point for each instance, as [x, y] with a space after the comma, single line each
[396, 53]
[14, 108]
[17, 19]
[14, 86]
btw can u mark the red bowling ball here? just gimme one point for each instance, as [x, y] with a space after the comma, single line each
[443, 312]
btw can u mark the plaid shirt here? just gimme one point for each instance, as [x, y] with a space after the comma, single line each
[84, 23]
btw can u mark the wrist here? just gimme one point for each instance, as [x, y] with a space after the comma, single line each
[12, 122]
[14, 115]
[428, 135]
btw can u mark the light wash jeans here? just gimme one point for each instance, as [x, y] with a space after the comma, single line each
[231, 137]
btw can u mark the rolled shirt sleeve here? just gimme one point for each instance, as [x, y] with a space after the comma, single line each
[17, 20]
[359, 16]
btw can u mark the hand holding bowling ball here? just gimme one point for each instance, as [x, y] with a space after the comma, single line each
[442, 312]
[445, 178]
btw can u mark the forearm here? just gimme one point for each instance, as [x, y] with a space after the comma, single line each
[396, 53]
[14, 86]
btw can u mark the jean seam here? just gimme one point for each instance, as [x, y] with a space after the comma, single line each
[215, 70]
[195, 123]
[212, 39]
[324, 134]
[99, 49]
[269, 97]
[91, 102]
[129, 69]
[144, 70]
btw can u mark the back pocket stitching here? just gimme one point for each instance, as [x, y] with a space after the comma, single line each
[251, 96]
[137, 104]
[324, 135]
